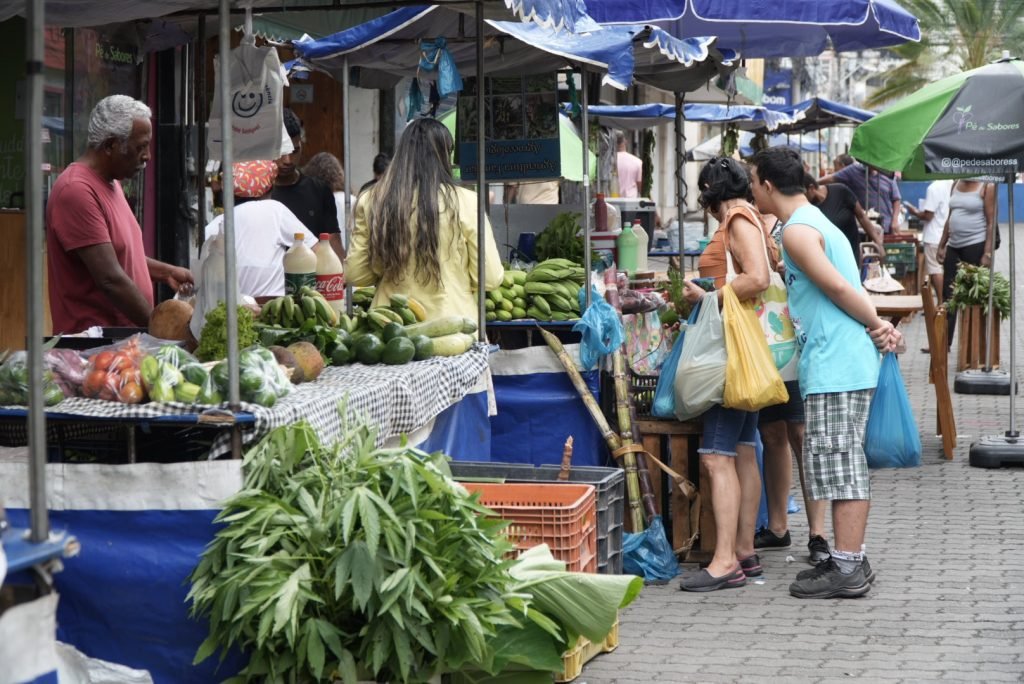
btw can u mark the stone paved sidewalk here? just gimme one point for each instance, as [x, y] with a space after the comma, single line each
[947, 543]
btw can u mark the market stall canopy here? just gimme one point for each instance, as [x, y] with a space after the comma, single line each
[388, 48]
[788, 28]
[680, 65]
[817, 113]
[968, 124]
[569, 143]
[713, 146]
[560, 14]
[632, 117]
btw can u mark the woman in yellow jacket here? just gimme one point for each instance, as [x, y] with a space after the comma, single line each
[416, 231]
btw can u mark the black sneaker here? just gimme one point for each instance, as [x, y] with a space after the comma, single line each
[766, 539]
[751, 566]
[818, 549]
[826, 581]
[869, 574]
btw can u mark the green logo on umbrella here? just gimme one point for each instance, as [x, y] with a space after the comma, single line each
[963, 118]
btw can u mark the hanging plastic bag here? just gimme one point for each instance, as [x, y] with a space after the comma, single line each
[257, 86]
[700, 375]
[751, 379]
[601, 329]
[210, 286]
[648, 554]
[664, 405]
[891, 439]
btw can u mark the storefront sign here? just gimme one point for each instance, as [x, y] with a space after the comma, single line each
[521, 129]
[778, 88]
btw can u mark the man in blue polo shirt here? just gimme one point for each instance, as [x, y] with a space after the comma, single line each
[874, 190]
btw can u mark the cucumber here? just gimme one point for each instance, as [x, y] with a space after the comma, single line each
[518, 312]
[452, 345]
[504, 315]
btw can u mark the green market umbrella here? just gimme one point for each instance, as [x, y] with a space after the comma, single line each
[568, 140]
[964, 126]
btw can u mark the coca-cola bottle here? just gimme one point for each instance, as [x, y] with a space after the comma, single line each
[330, 274]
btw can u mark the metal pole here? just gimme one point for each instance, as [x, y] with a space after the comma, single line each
[481, 176]
[227, 159]
[199, 66]
[34, 260]
[346, 135]
[585, 131]
[991, 319]
[1012, 433]
[680, 124]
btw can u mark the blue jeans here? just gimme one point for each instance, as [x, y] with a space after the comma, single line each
[725, 429]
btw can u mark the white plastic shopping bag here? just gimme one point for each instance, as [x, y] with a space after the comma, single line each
[257, 121]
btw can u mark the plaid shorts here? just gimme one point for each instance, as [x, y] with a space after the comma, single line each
[834, 464]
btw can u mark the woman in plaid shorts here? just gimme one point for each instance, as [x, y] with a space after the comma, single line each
[839, 334]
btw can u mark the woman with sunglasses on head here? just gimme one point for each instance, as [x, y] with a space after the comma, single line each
[727, 447]
[416, 231]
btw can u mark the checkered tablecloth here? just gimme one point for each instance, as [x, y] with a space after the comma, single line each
[397, 399]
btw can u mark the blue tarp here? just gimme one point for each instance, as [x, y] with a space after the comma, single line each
[817, 113]
[536, 412]
[771, 29]
[644, 116]
[389, 47]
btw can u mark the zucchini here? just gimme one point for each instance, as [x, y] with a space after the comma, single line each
[452, 345]
[438, 327]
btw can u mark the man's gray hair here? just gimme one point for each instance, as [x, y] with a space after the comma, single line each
[113, 117]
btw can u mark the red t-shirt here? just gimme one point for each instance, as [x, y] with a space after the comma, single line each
[85, 210]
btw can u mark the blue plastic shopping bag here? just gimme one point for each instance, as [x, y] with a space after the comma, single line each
[664, 405]
[891, 439]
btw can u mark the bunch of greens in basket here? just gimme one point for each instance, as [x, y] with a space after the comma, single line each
[561, 239]
[970, 288]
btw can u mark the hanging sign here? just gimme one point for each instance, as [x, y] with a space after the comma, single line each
[521, 129]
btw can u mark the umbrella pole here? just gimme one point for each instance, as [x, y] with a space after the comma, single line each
[40, 520]
[992, 319]
[680, 124]
[481, 180]
[346, 137]
[586, 182]
[1012, 433]
[227, 159]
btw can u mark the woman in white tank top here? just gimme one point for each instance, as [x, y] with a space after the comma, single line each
[968, 234]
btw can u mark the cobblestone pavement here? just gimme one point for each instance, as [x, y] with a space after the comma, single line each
[947, 543]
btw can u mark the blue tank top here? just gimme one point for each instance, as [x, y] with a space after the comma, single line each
[836, 353]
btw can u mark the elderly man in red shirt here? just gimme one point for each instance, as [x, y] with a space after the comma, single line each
[99, 273]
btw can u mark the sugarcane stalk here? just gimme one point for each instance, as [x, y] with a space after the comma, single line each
[643, 469]
[626, 435]
[610, 437]
[563, 472]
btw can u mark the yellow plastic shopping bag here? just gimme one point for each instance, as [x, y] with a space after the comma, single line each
[751, 379]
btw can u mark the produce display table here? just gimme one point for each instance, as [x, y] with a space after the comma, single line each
[398, 399]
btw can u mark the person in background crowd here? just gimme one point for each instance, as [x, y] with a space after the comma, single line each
[841, 162]
[311, 201]
[874, 190]
[839, 205]
[380, 165]
[264, 230]
[543, 192]
[98, 270]
[630, 168]
[968, 234]
[840, 334]
[415, 230]
[326, 168]
[727, 446]
[933, 211]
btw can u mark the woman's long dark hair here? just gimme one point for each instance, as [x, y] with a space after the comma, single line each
[419, 174]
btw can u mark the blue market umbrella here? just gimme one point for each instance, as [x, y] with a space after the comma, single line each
[783, 28]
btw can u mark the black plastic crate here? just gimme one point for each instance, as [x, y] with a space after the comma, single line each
[610, 484]
[641, 390]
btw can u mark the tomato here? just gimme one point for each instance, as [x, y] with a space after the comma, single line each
[94, 382]
[102, 360]
[131, 393]
[122, 361]
[132, 374]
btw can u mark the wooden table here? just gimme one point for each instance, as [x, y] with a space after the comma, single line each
[896, 307]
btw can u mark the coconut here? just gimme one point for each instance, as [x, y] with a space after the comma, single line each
[169, 320]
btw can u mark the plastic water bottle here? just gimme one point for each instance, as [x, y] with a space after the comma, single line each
[627, 245]
[643, 245]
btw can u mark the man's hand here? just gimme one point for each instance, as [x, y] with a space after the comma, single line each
[940, 253]
[885, 336]
[692, 292]
[177, 276]
[986, 259]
